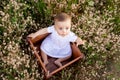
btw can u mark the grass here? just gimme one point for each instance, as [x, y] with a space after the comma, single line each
[96, 22]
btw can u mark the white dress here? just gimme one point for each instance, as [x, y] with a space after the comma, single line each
[57, 46]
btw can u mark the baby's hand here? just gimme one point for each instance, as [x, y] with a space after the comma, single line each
[80, 41]
[83, 42]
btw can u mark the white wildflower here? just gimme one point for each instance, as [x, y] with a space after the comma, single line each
[2, 13]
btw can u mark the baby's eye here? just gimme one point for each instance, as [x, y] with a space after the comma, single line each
[60, 28]
[67, 28]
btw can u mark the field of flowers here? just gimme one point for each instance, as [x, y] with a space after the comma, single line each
[96, 21]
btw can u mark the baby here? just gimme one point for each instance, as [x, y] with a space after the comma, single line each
[57, 44]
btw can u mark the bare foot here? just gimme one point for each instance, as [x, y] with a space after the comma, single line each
[45, 63]
[58, 63]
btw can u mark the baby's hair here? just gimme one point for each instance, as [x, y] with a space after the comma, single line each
[62, 17]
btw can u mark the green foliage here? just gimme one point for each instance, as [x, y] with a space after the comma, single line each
[7, 71]
[116, 27]
[2, 29]
[91, 3]
[109, 46]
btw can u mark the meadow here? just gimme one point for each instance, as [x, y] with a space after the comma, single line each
[96, 21]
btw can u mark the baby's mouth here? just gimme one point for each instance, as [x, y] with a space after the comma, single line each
[63, 35]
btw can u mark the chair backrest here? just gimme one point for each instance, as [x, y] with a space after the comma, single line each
[39, 38]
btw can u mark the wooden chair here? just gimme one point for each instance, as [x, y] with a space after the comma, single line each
[51, 68]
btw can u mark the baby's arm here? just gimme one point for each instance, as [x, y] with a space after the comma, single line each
[40, 32]
[79, 41]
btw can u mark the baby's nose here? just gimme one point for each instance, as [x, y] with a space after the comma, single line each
[64, 30]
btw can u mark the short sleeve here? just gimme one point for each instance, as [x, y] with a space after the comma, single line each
[50, 29]
[73, 37]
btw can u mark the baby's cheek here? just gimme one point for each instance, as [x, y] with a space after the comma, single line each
[59, 32]
[68, 31]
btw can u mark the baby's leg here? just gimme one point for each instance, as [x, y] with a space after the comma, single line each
[44, 57]
[58, 61]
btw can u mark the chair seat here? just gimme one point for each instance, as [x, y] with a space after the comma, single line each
[51, 67]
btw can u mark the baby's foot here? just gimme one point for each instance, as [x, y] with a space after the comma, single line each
[45, 63]
[58, 63]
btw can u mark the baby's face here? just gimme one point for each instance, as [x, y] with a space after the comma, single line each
[63, 28]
